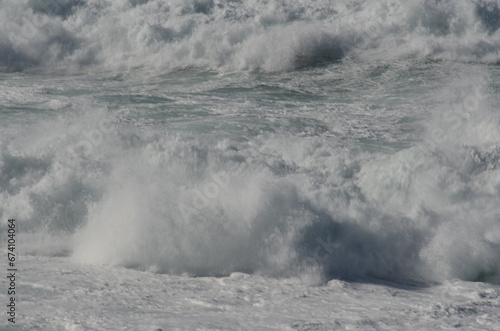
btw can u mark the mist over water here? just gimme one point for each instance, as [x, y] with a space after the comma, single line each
[340, 139]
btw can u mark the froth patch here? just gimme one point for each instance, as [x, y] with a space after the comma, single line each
[47, 181]
[270, 36]
[461, 249]
[169, 217]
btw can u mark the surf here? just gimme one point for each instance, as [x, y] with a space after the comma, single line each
[271, 36]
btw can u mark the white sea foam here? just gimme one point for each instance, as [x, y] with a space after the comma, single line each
[270, 35]
[277, 204]
[266, 191]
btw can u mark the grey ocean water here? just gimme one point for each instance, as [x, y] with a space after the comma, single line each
[226, 151]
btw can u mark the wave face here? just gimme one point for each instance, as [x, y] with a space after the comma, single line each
[264, 35]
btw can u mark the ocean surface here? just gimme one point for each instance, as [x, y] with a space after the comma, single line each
[251, 165]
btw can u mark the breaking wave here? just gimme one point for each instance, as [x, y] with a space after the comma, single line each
[276, 204]
[254, 186]
[263, 35]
